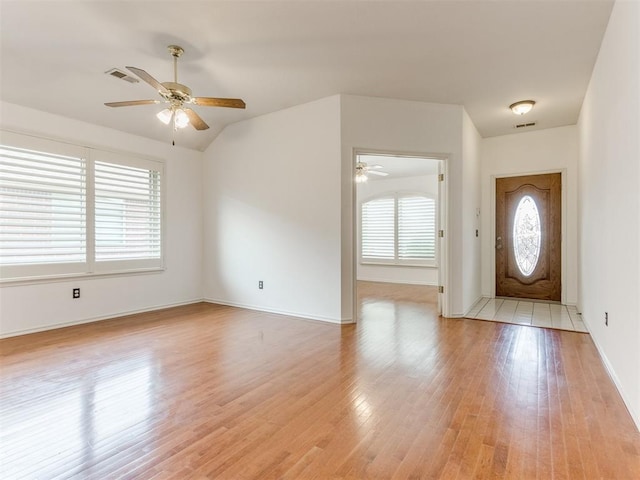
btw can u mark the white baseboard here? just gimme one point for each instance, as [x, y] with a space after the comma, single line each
[614, 378]
[45, 328]
[259, 308]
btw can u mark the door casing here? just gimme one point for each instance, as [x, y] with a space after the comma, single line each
[444, 305]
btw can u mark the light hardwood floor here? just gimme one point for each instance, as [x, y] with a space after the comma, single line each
[208, 391]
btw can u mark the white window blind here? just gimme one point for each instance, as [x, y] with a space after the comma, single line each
[378, 229]
[399, 229]
[416, 228]
[42, 207]
[127, 212]
[72, 210]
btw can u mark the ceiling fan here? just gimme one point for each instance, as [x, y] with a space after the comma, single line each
[177, 96]
[363, 169]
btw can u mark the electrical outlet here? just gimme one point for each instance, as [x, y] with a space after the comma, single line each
[606, 319]
[260, 284]
[76, 293]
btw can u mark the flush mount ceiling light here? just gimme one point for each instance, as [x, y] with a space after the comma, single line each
[522, 107]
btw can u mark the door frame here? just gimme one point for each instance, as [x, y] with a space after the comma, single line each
[443, 250]
[563, 227]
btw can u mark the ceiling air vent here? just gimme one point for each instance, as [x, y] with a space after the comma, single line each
[117, 73]
[524, 125]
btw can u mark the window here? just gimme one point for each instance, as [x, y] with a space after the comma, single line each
[398, 229]
[127, 219]
[42, 199]
[378, 229]
[69, 210]
[526, 235]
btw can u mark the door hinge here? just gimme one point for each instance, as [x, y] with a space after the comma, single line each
[441, 177]
[441, 233]
[441, 289]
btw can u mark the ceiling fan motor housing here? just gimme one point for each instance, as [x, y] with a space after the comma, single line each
[177, 92]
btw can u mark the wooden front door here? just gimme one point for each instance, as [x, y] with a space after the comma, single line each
[528, 236]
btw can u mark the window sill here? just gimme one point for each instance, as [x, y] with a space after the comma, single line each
[36, 280]
[395, 264]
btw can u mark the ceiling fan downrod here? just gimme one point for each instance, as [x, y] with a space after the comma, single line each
[176, 51]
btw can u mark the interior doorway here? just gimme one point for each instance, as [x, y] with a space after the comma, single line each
[528, 261]
[398, 205]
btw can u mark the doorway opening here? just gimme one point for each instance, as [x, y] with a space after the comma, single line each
[399, 205]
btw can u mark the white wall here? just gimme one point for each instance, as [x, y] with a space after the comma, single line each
[425, 184]
[272, 203]
[609, 216]
[379, 124]
[471, 139]
[539, 151]
[39, 306]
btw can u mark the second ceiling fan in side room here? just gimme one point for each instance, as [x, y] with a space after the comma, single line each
[177, 95]
[363, 170]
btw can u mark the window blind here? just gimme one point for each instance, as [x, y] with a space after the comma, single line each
[378, 229]
[127, 212]
[399, 229]
[42, 207]
[416, 228]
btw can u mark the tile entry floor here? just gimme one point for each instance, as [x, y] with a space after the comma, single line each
[522, 312]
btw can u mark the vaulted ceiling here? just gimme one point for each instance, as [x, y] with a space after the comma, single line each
[481, 54]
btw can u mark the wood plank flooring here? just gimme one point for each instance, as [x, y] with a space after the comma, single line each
[207, 391]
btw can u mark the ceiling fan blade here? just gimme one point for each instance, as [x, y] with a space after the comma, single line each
[131, 103]
[149, 79]
[373, 172]
[219, 102]
[375, 166]
[195, 120]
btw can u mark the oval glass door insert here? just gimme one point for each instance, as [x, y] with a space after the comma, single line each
[526, 235]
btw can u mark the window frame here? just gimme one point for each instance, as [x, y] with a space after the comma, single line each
[39, 272]
[396, 261]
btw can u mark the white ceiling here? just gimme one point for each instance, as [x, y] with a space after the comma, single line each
[480, 54]
[399, 167]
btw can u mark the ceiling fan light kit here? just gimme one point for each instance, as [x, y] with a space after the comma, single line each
[178, 115]
[361, 172]
[180, 118]
[165, 116]
[361, 177]
[177, 96]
